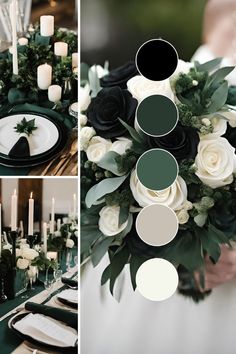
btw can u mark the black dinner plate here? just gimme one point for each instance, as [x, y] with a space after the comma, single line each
[59, 127]
[36, 342]
[41, 158]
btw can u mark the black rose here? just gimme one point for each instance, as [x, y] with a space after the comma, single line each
[120, 76]
[105, 110]
[182, 142]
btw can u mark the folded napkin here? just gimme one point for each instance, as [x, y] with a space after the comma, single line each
[20, 149]
[69, 295]
[70, 282]
[68, 317]
[47, 330]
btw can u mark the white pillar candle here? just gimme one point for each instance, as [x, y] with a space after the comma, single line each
[61, 49]
[45, 238]
[13, 18]
[54, 93]
[58, 224]
[74, 60]
[52, 217]
[47, 26]
[74, 205]
[23, 41]
[44, 76]
[31, 215]
[14, 211]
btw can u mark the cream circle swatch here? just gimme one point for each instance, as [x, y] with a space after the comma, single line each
[157, 279]
[157, 224]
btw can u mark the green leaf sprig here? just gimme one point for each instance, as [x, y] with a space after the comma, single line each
[26, 127]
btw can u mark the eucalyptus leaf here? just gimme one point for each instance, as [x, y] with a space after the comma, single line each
[218, 98]
[133, 133]
[124, 214]
[102, 188]
[109, 163]
[219, 75]
[209, 65]
[209, 245]
[135, 263]
[100, 249]
[106, 274]
[90, 234]
[117, 264]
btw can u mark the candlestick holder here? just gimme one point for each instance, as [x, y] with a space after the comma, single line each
[31, 240]
[14, 235]
[3, 296]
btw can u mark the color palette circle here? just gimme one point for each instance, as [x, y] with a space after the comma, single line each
[157, 225]
[157, 115]
[157, 169]
[157, 59]
[157, 279]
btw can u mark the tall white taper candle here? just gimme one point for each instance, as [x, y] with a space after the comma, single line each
[31, 215]
[13, 18]
[45, 237]
[52, 217]
[14, 211]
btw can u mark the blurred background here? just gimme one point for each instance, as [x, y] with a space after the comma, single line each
[114, 29]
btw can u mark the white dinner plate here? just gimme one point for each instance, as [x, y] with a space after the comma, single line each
[43, 138]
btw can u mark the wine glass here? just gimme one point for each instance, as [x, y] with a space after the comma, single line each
[48, 285]
[75, 260]
[68, 260]
[32, 272]
[57, 274]
[26, 283]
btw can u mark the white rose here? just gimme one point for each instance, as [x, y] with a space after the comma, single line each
[173, 196]
[140, 88]
[18, 252]
[83, 120]
[24, 245]
[57, 233]
[121, 145]
[29, 253]
[99, 70]
[76, 233]
[219, 128]
[84, 97]
[215, 162]
[109, 221]
[22, 263]
[231, 116]
[182, 216]
[7, 247]
[86, 135]
[97, 148]
[69, 243]
[23, 241]
[183, 67]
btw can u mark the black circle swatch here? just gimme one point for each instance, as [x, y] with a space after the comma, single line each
[156, 59]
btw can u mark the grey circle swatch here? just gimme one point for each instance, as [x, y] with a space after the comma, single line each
[157, 169]
[157, 279]
[157, 115]
[157, 59]
[157, 224]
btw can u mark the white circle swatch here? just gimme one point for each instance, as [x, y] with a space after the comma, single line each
[157, 224]
[157, 279]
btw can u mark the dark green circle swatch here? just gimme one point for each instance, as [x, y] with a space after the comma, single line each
[157, 169]
[157, 115]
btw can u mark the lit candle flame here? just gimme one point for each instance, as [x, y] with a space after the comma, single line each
[31, 195]
[14, 192]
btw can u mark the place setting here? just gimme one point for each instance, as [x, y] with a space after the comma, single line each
[38, 94]
[39, 268]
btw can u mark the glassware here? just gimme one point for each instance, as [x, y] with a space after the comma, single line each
[26, 283]
[3, 297]
[57, 274]
[68, 260]
[32, 272]
[76, 260]
[48, 285]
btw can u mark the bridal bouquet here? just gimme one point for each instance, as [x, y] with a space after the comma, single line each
[204, 194]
